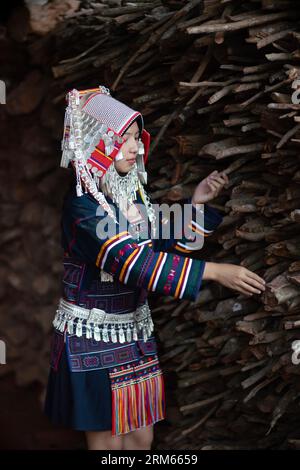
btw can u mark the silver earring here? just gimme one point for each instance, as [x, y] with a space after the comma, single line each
[119, 155]
[140, 162]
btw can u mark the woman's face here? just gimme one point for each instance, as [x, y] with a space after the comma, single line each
[129, 149]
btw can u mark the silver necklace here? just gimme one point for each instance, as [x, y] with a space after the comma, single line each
[123, 189]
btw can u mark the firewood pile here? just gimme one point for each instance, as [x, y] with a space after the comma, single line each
[218, 84]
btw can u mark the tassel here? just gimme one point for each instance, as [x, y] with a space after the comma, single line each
[140, 163]
[66, 132]
[79, 328]
[105, 335]
[145, 337]
[56, 319]
[79, 191]
[66, 155]
[121, 335]
[113, 335]
[128, 334]
[70, 327]
[138, 404]
[97, 336]
[135, 337]
[88, 331]
[62, 325]
[151, 323]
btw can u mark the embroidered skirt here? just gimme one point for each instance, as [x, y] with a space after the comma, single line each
[98, 386]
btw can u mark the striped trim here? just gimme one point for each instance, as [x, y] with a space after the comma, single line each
[132, 264]
[88, 90]
[159, 271]
[137, 368]
[106, 247]
[190, 261]
[97, 163]
[90, 97]
[145, 242]
[102, 153]
[131, 119]
[129, 263]
[184, 248]
[198, 227]
[162, 257]
[183, 278]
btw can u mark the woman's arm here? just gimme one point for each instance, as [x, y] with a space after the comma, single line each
[119, 254]
[138, 265]
[234, 277]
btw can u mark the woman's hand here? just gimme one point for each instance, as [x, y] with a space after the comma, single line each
[235, 277]
[210, 187]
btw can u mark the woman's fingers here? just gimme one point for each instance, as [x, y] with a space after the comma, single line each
[250, 288]
[216, 181]
[213, 186]
[219, 178]
[222, 176]
[256, 283]
[253, 282]
[256, 278]
[243, 291]
[212, 182]
[219, 181]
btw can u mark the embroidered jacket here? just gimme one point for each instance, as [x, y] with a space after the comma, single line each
[137, 266]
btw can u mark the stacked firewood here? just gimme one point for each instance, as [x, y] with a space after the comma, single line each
[217, 83]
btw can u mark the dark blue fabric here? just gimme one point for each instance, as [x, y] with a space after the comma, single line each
[78, 400]
[81, 400]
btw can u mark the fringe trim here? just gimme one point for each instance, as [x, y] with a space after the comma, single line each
[136, 405]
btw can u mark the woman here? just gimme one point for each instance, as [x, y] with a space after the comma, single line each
[105, 378]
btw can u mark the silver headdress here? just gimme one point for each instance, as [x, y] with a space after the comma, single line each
[93, 137]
